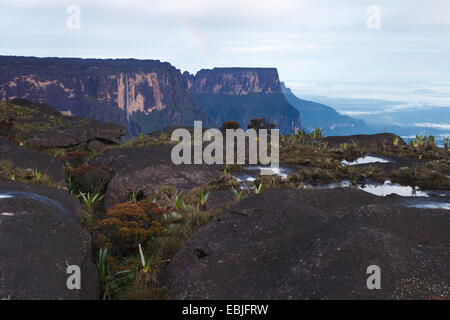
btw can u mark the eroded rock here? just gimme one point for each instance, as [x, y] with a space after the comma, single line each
[315, 244]
[148, 169]
[40, 236]
[30, 159]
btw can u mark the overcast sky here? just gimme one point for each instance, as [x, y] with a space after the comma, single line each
[328, 47]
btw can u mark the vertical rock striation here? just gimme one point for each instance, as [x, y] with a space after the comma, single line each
[145, 94]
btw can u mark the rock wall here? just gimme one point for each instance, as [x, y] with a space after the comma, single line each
[241, 94]
[106, 90]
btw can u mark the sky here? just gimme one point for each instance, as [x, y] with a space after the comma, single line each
[380, 49]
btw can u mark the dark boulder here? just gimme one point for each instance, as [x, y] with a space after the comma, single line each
[28, 159]
[315, 244]
[148, 169]
[40, 236]
[39, 126]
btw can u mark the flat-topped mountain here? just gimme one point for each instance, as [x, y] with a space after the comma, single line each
[235, 81]
[241, 94]
[144, 94]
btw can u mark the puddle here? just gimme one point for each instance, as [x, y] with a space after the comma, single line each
[428, 205]
[33, 196]
[250, 173]
[417, 198]
[388, 188]
[7, 214]
[366, 160]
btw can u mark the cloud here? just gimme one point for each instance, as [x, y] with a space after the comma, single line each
[441, 126]
[310, 41]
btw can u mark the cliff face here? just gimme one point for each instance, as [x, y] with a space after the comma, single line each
[148, 95]
[241, 94]
[144, 94]
[235, 81]
[318, 115]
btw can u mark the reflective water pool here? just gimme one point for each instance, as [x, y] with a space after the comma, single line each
[251, 172]
[366, 160]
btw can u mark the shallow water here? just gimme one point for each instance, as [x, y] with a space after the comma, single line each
[367, 159]
[428, 205]
[251, 172]
[424, 199]
[388, 188]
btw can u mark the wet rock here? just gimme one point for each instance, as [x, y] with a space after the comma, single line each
[40, 236]
[315, 244]
[148, 169]
[25, 158]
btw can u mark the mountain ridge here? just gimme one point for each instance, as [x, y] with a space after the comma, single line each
[241, 94]
[315, 114]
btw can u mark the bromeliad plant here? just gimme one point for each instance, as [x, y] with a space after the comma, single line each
[395, 141]
[136, 195]
[145, 265]
[12, 175]
[203, 198]
[421, 140]
[237, 193]
[317, 133]
[37, 174]
[90, 200]
[170, 199]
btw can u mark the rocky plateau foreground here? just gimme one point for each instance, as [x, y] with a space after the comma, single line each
[71, 193]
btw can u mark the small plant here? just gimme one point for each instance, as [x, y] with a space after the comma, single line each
[421, 140]
[203, 199]
[301, 134]
[136, 195]
[70, 185]
[90, 200]
[37, 174]
[237, 193]
[12, 175]
[395, 141]
[258, 189]
[170, 198]
[101, 264]
[317, 134]
[145, 266]
[108, 280]
[414, 143]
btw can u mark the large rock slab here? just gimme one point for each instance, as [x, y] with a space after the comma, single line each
[315, 244]
[40, 126]
[40, 236]
[26, 158]
[148, 169]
